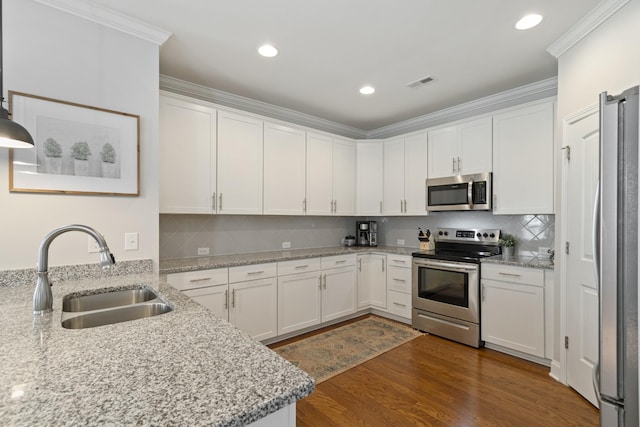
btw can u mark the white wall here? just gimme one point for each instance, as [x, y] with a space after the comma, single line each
[606, 60]
[57, 55]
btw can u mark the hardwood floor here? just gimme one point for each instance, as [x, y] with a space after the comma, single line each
[431, 381]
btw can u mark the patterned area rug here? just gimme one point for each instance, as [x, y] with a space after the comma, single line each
[327, 354]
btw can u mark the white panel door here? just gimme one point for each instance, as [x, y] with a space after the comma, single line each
[582, 294]
[415, 174]
[363, 277]
[299, 301]
[393, 176]
[284, 170]
[369, 180]
[319, 174]
[338, 293]
[443, 152]
[187, 157]
[214, 298]
[254, 307]
[476, 146]
[240, 155]
[344, 177]
[378, 280]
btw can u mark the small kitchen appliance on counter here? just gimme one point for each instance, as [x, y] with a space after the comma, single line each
[446, 283]
[366, 233]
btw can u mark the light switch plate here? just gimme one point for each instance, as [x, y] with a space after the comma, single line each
[130, 241]
[203, 251]
[286, 245]
[400, 242]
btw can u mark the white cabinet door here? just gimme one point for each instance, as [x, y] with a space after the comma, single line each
[254, 307]
[415, 174]
[513, 316]
[187, 157]
[284, 170]
[476, 146]
[464, 148]
[523, 160]
[214, 298]
[344, 177]
[363, 277]
[443, 152]
[393, 175]
[240, 156]
[369, 180]
[378, 280]
[299, 303]
[338, 293]
[319, 174]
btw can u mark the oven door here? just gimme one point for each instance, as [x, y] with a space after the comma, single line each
[447, 288]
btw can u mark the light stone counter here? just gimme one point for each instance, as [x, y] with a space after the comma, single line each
[185, 367]
[180, 265]
[519, 261]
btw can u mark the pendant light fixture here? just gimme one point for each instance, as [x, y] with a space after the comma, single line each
[12, 135]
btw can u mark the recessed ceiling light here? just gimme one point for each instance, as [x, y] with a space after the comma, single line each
[528, 21]
[367, 90]
[267, 51]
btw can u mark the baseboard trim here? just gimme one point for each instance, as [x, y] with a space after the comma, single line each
[519, 354]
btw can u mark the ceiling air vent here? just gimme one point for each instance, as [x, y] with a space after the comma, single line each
[421, 82]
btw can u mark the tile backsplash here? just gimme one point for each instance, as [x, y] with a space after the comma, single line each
[182, 235]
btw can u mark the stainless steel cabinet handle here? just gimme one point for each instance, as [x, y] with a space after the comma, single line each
[495, 201]
[399, 260]
[401, 209]
[359, 264]
[399, 305]
[341, 261]
[220, 203]
[395, 279]
[325, 281]
[405, 206]
[380, 206]
[204, 279]
[226, 300]
[509, 274]
[213, 202]
[302, 266]
[482, 296]
[320, 282]
[453, 165]
[250, 273]
[304, 205]
[383, 260]
[233, 298]
[459, 164]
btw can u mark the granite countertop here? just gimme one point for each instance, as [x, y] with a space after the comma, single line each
[521, 261]
[180, 265]
[185, 367]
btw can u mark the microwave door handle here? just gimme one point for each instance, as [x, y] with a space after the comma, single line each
[470, 193]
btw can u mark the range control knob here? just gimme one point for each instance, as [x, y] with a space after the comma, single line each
[439, 233]
[485, 235]
[446, 233]
[492, 235]
[478, 235]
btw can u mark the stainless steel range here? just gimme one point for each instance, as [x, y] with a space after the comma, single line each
[446, 283]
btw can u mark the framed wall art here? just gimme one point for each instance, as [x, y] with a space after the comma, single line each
[78, 149]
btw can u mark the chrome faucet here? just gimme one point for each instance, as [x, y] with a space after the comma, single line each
[42, 297]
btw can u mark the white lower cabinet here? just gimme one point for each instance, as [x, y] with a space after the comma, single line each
[299, 302]
[338, 287]
[513, 308]
[208, 288]
[399, 285]
[372, 281]
[254, 307]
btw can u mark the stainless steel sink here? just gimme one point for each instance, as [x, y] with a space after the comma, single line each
[115, 315]
[111, 306]
[107, 300]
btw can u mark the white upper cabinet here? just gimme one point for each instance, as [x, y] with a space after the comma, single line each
[404, 176]
[284, 170]
[187, 157]
[369, 180]
[240, 156]
[464, 148]
[331, 178]
[523, 160]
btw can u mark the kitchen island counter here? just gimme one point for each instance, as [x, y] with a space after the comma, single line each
[185, 367]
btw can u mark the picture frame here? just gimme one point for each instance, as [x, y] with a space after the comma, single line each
[79, 149]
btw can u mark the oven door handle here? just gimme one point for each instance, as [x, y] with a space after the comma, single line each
[448, 266]
[470, 194]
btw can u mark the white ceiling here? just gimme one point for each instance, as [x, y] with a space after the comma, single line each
[330, 48]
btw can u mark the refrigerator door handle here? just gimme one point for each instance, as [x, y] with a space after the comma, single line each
[596, 381]
[596, 236]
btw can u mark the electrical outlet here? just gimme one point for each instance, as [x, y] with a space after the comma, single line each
[130, 241]
[544, 252]
[400, 242]
[93, 245]
[203, 251]
[286, 245]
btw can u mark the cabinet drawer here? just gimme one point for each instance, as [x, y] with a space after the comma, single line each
[399, 279]
[252, 272]
[198, 279]
[298, 266]
[338, 261]
[399, 304]
[507, 273]
[399, 260]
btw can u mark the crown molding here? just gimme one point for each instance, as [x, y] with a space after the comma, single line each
[227, 99]
[531, 92]
[94, 12]
[599, 14]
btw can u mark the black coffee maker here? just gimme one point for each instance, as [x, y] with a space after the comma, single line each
[366, 233]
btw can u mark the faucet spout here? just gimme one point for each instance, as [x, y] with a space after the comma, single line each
[42, 297]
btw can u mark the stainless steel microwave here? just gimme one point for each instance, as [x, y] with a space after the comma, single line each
[460, 193]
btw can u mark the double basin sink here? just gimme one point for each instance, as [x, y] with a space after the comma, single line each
[111, 306]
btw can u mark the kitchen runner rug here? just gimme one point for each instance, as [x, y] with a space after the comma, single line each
[330, 353]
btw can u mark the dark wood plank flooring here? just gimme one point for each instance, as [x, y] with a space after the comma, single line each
[431, 381]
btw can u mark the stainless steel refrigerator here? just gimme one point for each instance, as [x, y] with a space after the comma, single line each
[616, 260]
